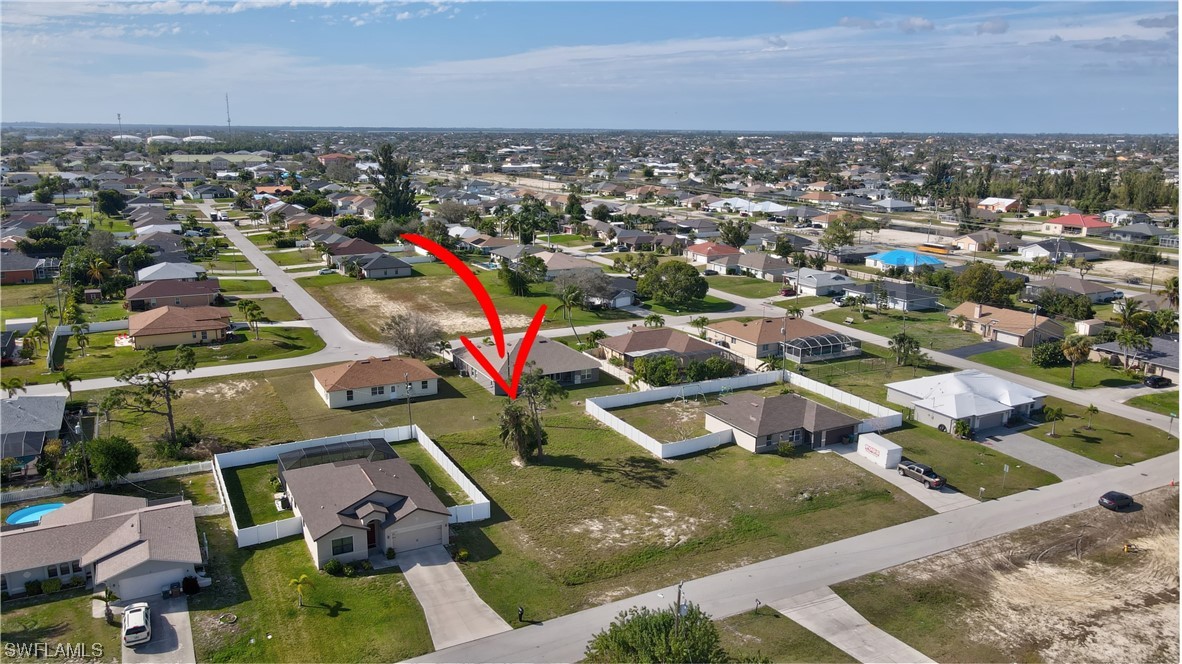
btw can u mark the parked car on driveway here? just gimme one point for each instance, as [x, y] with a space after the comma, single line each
[326, 270]
[839, 301]
[1157, 381]
[1116, 501]
[920, 473]
[710, 273]
[137, 624]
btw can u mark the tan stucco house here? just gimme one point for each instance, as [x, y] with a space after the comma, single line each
[172, 326]
[375, 380]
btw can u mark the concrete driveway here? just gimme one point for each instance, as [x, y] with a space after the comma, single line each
[172, 636]
[455, 613]
[828, 616]
[976, 349]
[943, 499]
[1067, 465]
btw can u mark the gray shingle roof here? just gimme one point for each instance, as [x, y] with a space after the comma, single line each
[28, 421]
[761, 416]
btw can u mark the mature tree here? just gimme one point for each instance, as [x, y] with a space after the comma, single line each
[657, 370]
[393, 194]
[1164, 321]
[322, 207]
[785, 248]
[595, 336]
[673, 284]
[252, 313]
[1018, 266]
[982, 283]
[1170, 291]
[529, 270]
[574, 207]
[103, 243]
[734, 233]
[152, 384]
[1130, 341]
[530, 219]
[112, 457]
[109, 202]
[669, 635]
[413, 333]
[905, 347]
[601, 212]
[635, 264]
[1083, 265]
[654, 320]
[301, 584]
[1076, 349]
[1131, 315]
[451, 212]
[517, 429]
[836, 236]
[539, 393]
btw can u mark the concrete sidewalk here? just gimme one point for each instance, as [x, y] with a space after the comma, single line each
[825, 614]
[941, 500]
[455, 613]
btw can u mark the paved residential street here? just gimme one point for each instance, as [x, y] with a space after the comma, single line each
[825, 614]
[455, 613]
[728, 593]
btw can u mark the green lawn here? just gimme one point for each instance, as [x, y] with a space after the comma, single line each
[232, 286]
[364, 306]
[371, 617]
[262, 240]
[709, 304]
[444, 487]
[931, 328]
[565, 240]
[968, 465]
[1087, 375]
[251, 494]
[766, 633]
[103, 359]
[58, 619]
[1164, 403]
[229, 261]
[867, 376]
[1111, 439]
[300, 257]
[804, 302]
[276, 309]
[745, 286]
[24, 300]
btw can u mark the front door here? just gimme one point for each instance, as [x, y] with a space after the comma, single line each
[371, 535]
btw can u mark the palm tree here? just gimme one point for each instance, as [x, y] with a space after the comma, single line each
[98, 270]
[1091, 410]
[1131, 315]
[700, 322]
[904, 346]
[1170, 291]
[516, 429]
[14, 385]
[253, 313]
[81, 336]
[300, 584]
[1052, 415]
[67, 380]
[1018, 266]
[654, 320]
[37, 334]
[595, 336]
[569, 298]
[1164, 321]
[49, 311]
[1129, 341]
[960, 321]
[793, 311]
[1076, 349]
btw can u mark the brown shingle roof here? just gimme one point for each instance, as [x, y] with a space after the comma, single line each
[170, 320]
[1009, 320]
[761, 416]
[170, 288]
[372, 372]
[711, 249]
[354, 246]
[641, 339]
[768, 330]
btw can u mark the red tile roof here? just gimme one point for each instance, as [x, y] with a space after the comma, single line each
[711, 249]
[1079, 221]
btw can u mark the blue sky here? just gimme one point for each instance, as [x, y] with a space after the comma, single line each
[833, 66]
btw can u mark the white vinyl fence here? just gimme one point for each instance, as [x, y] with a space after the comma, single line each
[599, 407]
[21, 495]
[479, 509]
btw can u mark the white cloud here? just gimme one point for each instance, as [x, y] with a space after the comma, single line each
[857, 22]
[915, 24]
[997, 26]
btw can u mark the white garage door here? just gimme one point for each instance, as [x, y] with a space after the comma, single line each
[147, 584]
[417, 538]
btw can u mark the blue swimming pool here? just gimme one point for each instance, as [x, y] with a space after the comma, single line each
[32, 514]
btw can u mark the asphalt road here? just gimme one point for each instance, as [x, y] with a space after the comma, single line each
[778, 579]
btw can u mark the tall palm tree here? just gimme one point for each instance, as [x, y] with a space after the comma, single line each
[38, 334]
[1052, 415]
[67, 380]
[1076, 349]
[1018, 266]
[97, 270]
[300, 584]
[516, 429]
[13, 385]
[1091, 410]
[595, 336]
[569, 298]
[654, 320]
[1131, 315]
[48, 311]
[1129, 341]
[81, 336]
[253, 313]
[700, 322]
[1170, 291]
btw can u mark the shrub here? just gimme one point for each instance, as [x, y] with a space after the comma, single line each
[274, 482]
[33, 587]
[1049, 354]
[166, 449]
[349, 571]
[285, 243]
[334, 567]
[616, 362]
[390, 553]
[462, 554]
[51, 585]
[75, 581]
[789, 449]
[366, 566]
[190, 586]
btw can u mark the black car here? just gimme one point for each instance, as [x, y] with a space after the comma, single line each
[1157, 381]
[710, 273]
[597, 244]
[1116, 501]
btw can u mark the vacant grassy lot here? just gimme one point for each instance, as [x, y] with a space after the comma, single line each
[231, 261]
[364, 306]
[1087, 376]
[931, 328]
[565, 240]
[261, 240]
[767, 633]
[60, 618]
[745, 286]
[24, 300]
[237, 286]
[298, 257]
[1110, 439]
[275, 309]
[968, 465]
[1061, 591]
[598, 518]
[804, 302]
[1165, 403]
[372, 617]
[708, 305]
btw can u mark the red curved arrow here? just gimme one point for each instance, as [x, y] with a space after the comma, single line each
[490, 313]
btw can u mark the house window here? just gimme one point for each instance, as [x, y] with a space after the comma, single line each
[585, 375]
[76, 568]
[375, 391]
[52, 571]
[424, 385]
[342, 545]
[348, 395]
[204, 335]
[194, 335]
[177, 301]
[3, 583]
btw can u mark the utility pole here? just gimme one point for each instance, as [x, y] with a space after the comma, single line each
[409, 414]
[229, 129]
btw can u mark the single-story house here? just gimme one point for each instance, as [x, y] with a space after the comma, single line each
[648, 342]
[170, 271]
[124, 543]
[1148, 302]
[1136, 233]
[1123, 217]
[1069, 285]
[1059, 251]
[798, 242]
[844, 255]
[1049, 209]
[621, 293]
[760, 338]
[556, 360]
[762, 266]
[1160, 359]
[352, 247]
[514, 252]
[17, 268]
[905, 297]
[760, 424]
[724, 264]
[808, 281]
[172, 326]
[703, 252]
[375, 380]
[995, 204]
[559, 264]
[30, 421]
[357, 507]
[1075, 224]
[894, 205]
[211, 191]
[984, 400]
[987, 241]
[896, 258]
[378, 265]
[152, 294]
[1009, 326]
[1006, 274]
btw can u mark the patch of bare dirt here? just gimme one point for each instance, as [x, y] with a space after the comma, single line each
[659, 525]
[451, 319]
[228, 389]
